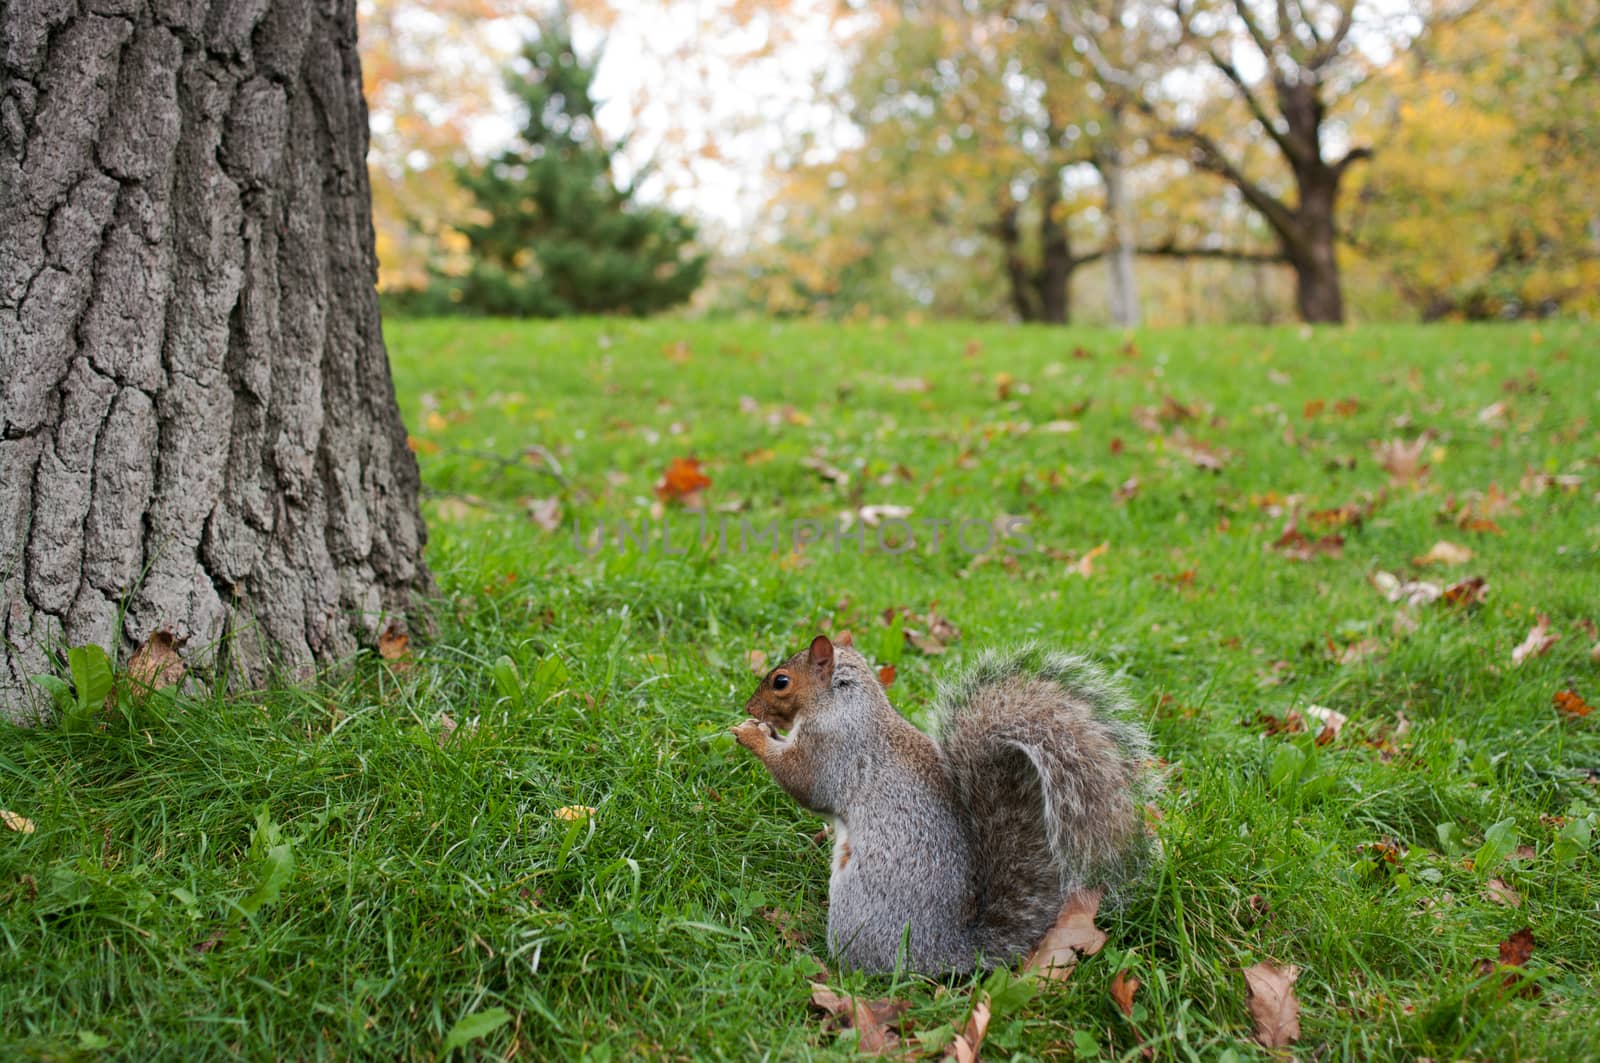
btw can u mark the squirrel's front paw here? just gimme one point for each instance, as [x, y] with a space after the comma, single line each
[753, 735]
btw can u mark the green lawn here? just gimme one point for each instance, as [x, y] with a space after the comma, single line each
[436, 876]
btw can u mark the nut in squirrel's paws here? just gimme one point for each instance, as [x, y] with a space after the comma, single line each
[753, 734]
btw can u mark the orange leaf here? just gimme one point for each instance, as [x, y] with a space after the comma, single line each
[886, 675]
[1122, 990]
[682, 482]
[1072, 935]
[1570, 704]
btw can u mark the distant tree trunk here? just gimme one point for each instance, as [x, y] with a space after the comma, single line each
[198, 430]
[1119, 210]
[1054, 280]
[1312, 254]
[1019, 278]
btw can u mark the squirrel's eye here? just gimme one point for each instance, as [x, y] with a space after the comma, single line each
[780, 681]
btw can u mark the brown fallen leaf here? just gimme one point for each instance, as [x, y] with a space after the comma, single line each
[13, 821]
[1444, 553]
[1085, 564]
[1569, 703]
[157, 664]
[924, 643]
[886, 676]
[1515, 952]
[682, 482]
[1126, 491]
[1297, 546]
[1537, 644]
[1498, 891]
[1401, 460]
[1467, 592]
[1290, 723]
[1272, 1004]
[876, 1022]
[784, 920]
[544, 512]
[393, 642]
[1332, 722]
[965, 1047]
[1072, 935]
[831, 473]
[1355, 651]
[756, 660]
[1122, 990]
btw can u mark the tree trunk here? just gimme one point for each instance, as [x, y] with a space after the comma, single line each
[198, 432]
[1055, 256]
[1119, 210]
[1019, 277]
[1318, 295]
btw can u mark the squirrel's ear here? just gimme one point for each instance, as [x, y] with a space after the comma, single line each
[821, 656]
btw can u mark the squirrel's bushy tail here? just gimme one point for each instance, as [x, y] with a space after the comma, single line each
[1047, 760]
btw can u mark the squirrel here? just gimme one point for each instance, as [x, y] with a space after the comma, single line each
[957, 853]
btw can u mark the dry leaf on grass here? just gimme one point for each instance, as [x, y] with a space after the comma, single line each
[1498, 891]
[1405, 592]
[682, 482]
[886, 675]
[1297, 546]
[573, 813]
[876, 1022]
[1331, 720]
[394, 646]
[1537, 644]
[544, 512]
[1515, 952]
[156, 664]
[831, 473]
[1272, 1004]
[965, 1047]
[1444, 553]
[18, 823]
[1085, 564]
[757, 661]
[1122, 990]
[1569, 703]
[1467, 592]
[1401, 460]
[1071, 936]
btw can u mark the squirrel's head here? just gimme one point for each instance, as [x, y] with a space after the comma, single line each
[832, 685]
[792, 687]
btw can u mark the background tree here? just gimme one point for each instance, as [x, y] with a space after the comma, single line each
[558, 234]
[1483, 202]
[200, 437]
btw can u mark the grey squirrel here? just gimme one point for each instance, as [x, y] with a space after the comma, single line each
[959, 852]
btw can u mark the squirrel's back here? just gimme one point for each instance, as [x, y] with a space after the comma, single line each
[1049, 765]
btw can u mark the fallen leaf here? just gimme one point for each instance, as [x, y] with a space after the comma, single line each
[1332, 722]
[157, 664]
[682, 482]
[1568, 703]
[1410, 592]
[447, 728]
[1072, 935]
[886, 676]
[573, 813]
[1515, 952]
[1500, 893]
[393, 642]
[872, 516]
[1122, 990]
[1444, 553]
[1085, 564]
[1467, 592]
[1540, 639]
[1402, 460]
[1290, 723]
[830, 473]
[876, 1022]
[20, 824]
[924, 643]
[1127, 490]
[1297, 546]
[783, 920]
[545, 512]
[1272, 1004]
[1355, 651]
[757, 661]
[965, 1047]
[910, 385]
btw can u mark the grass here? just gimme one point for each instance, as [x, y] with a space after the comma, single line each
[436, 879]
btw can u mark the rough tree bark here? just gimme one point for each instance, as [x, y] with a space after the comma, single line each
[198, 430]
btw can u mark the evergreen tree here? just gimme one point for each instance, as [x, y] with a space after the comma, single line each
[562, 237]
